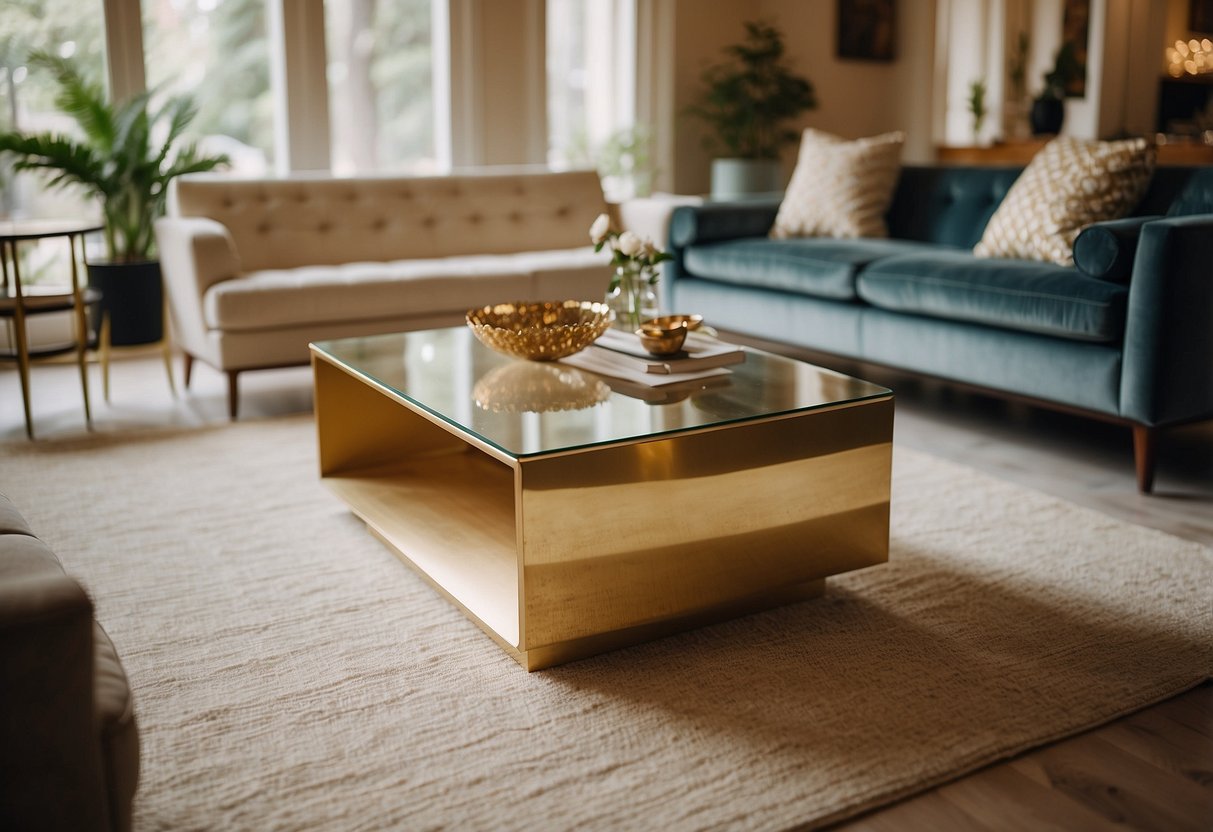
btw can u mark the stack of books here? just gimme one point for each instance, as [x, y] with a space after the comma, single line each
[619, 355]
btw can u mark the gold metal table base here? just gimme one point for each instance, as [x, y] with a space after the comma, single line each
[565, 555]
[13, 297]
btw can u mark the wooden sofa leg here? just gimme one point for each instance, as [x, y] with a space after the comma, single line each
[188, 369]
[233, 394]
[1143, 456]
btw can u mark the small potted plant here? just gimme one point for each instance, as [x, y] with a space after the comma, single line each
[1049, 108]
[1015, 108]
[123, 160]
[977, 107]
[748, 102]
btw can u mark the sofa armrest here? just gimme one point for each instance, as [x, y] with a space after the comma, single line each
[195, 254]
[709, 223]
[1168, 349]
[51, 774]
[718, 221]
[1105, 250]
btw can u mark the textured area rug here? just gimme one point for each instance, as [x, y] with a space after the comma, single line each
[289, 672]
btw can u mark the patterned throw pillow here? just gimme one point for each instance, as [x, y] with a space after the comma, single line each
[1068, 185]
[840, 188]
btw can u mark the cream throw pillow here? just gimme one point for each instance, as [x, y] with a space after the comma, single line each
[840, 188]
[1069, 184]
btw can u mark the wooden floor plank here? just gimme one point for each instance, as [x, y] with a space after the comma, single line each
[1195, 711]
[1120, 787]
[1003, 798]
[926, 811]
[1154, 736]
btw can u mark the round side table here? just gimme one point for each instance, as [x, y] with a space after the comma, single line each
[18, 302]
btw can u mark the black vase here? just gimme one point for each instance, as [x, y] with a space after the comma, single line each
[132, 295]
[1047, 116]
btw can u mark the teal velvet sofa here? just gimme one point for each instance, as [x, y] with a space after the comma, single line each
[1126, 336]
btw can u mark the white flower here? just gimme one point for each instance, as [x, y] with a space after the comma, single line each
[599, 229]
[629, 244]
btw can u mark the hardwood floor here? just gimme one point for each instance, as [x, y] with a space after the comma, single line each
[1149, 770]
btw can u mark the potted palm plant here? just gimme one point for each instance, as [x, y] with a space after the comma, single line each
[126, 156]
[748, 102]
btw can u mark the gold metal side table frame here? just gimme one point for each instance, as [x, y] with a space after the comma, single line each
[15, 303]
[105, 351]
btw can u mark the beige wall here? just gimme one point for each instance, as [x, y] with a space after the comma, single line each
[701, 30]
[855, 98]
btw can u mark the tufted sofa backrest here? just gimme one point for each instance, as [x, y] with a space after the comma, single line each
[952, 204]
[947, 205]
[287, 223]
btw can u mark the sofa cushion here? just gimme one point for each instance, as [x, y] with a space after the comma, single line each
[1106, 249]
[822, 267]
[25, 555]
[840, 188]
[11, 521]
[277, 298]
[1013, 294]
[115, 714]
[1069, 184]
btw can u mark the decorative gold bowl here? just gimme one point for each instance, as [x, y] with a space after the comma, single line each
[540, 331]
[693, 322]
[667, 340]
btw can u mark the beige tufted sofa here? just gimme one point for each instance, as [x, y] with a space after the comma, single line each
[255, 269]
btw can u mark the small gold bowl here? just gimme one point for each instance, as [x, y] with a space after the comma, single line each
[663, 340]
[671, 321]
[540, 331]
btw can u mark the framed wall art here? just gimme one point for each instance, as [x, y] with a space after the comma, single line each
[867, 30]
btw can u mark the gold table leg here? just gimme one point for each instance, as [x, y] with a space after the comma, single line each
[10, 251]
[81, 329]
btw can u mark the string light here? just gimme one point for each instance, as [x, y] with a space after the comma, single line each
[1192, 57]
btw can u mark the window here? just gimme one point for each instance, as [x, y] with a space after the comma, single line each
[71, 29]
[217, 51]
[380, 76]
[380, 79]
[591, 80]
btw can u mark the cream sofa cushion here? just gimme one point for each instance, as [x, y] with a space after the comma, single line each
[1069, 184]
[840, 188]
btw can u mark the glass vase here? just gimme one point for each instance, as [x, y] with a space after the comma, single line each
[632, 296]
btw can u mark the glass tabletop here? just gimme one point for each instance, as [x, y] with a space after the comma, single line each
[527, 408]
[37, 229]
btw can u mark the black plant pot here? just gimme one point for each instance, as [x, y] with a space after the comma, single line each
[132, 295]
[1047, 116]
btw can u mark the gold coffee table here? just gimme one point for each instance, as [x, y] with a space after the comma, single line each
[567, 518]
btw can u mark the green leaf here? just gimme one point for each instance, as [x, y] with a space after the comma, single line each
[115, 160]
[749, 98]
